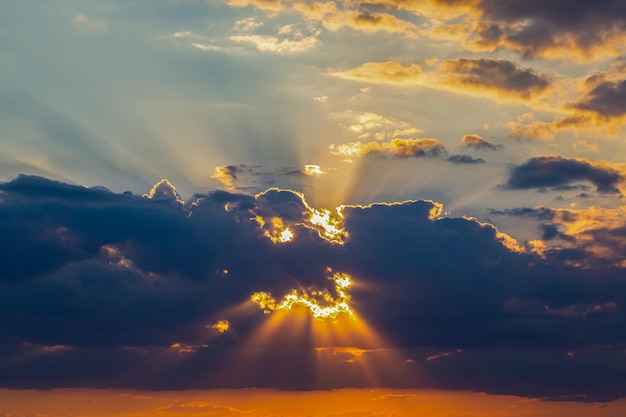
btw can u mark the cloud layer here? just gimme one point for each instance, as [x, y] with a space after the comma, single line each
[99, 287]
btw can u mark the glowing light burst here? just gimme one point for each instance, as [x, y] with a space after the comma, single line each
[328, 226]
[321, 304]
[277, 232]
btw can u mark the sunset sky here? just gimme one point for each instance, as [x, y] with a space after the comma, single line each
[296, 208]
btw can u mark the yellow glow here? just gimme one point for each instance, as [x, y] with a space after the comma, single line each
[267, 402]
[226, 176]
[277, 232]
[313, 170]
[330, 228]
[286, 235]
[321, 304]
[222, 326]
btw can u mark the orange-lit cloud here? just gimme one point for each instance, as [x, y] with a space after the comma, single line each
[599, 110]
[401, 148]
[478, 142]
[389, 72]
[261, 4]
[599, 230]
[221, 326]
[497, 79]
[226, 175]
[336, 15]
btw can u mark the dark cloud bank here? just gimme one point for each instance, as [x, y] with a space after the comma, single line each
[99, 289]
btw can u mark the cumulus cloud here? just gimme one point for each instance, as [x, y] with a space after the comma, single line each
[554, 171]
[479, 143]
[106, 290]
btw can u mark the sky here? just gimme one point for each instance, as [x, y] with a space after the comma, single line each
[312, 208]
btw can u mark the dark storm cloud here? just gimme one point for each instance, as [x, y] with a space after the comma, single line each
[99, 289]
[556, 171]
[465, 159]
[537, 27]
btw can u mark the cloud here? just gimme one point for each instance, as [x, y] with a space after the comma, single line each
[260, 4]
[584, 237]
[399, 148]
[496, 77]
[598, 111]
[336, 15]
[265, 43]
[465, 159]
[479, 143]
[117, 290]
[207, 47]
[555, 171]
[227, 175]
[538, 29]
[247, 24]
[376, 126]
[484, 77]
[605, 99]
[382, 73]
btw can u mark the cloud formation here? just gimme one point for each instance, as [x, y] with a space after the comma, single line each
[479, 143]
[554, 171]
[541, 29]
[599, 109]
[399, 148]
[96, 281]
[389, 72]
[465, 159]
[497, 77]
